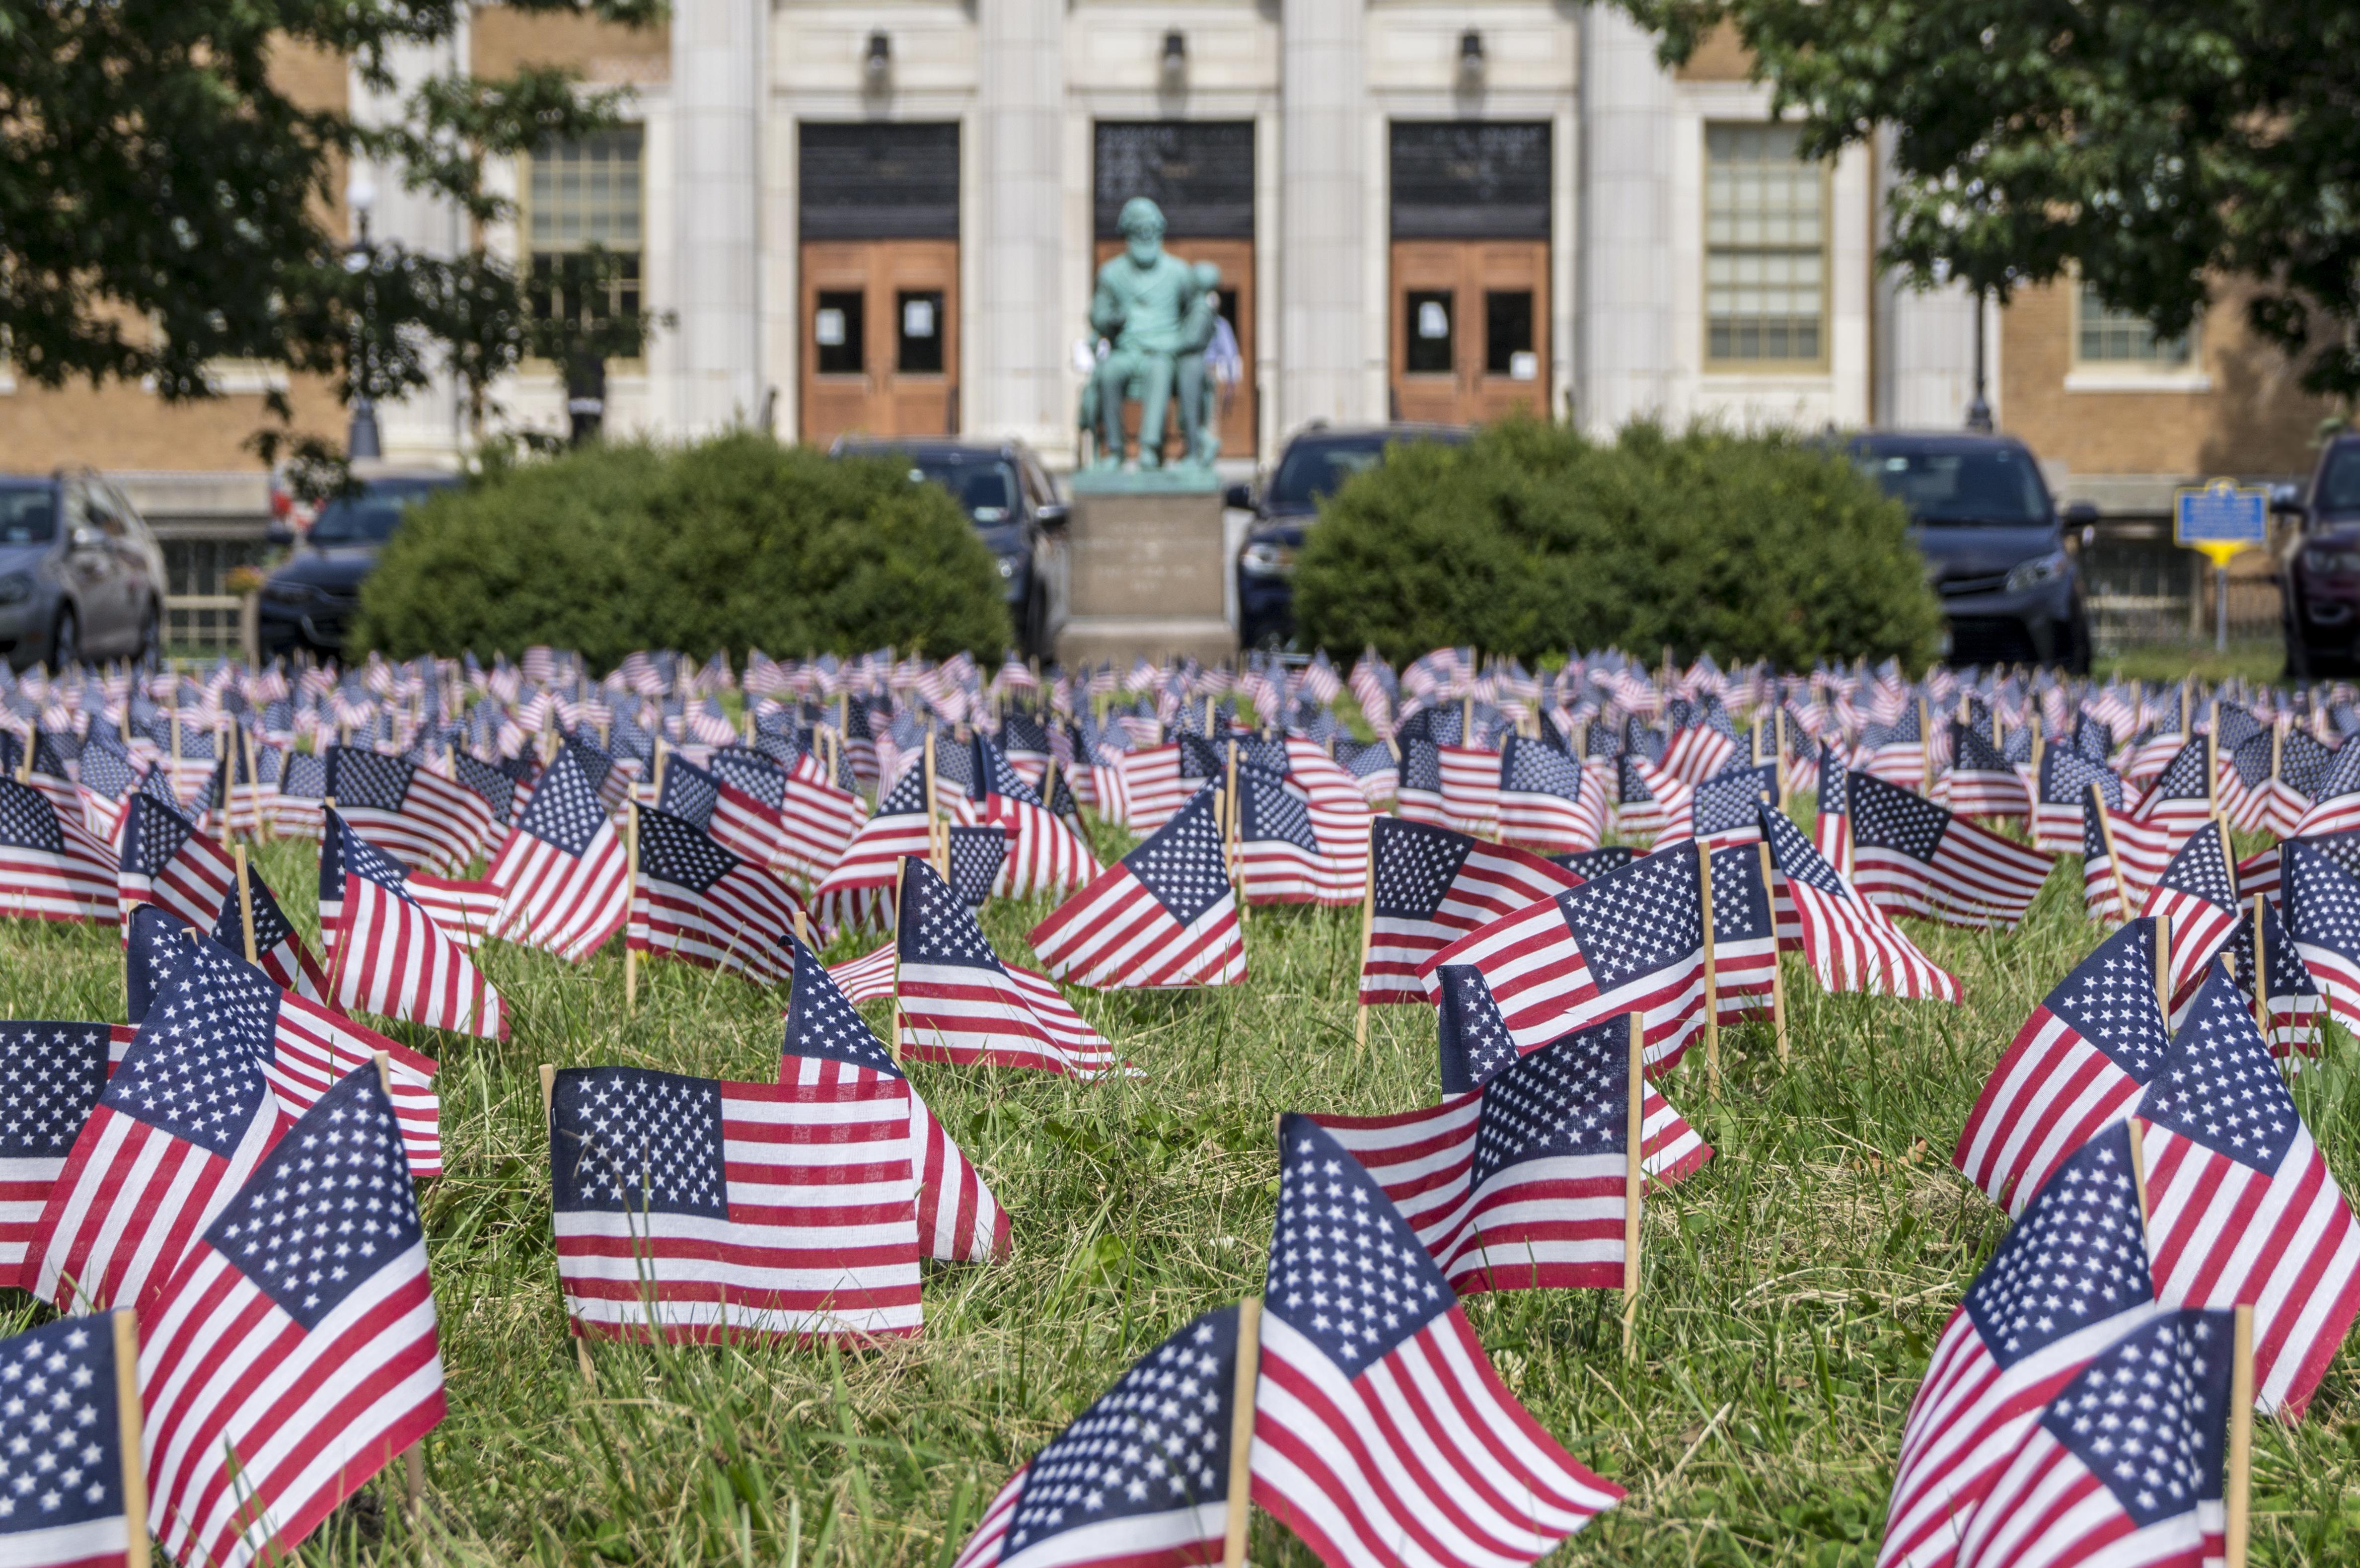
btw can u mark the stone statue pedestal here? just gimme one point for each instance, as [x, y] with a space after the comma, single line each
[1147, 570]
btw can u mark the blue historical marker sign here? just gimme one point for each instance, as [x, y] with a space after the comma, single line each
[2220, 515]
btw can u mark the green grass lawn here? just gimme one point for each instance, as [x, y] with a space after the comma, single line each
[1793, 1289]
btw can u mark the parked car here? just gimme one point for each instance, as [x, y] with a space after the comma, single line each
[2320, 571]
[80, 575]
[1014, 504]
[1317, 460]
[1994, 543]
[308, 600]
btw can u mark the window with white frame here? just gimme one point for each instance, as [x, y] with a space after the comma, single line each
[580, 196]
[2104, 336]
[1765, 260]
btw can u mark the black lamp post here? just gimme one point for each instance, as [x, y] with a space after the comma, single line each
[1979, 414]
[360, 257]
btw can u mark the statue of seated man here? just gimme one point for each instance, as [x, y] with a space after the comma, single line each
[1142, 307]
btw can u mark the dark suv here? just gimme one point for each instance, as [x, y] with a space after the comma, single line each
[1315, 463]
[1982, 517]
[307, 601]
[1014, 505]
[81, 576]
[2321, 573]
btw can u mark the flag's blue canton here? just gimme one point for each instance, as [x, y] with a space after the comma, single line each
[1181, 863]
[149, 952]
[1591, 864]
[1741, 902]
[1346, 1271]
[498, 789]
[271, 926]
[106, 771]
[51, 1075]
[937, 926]
[196, 1069]
[2065, 774]
[2219, 1087]
[689, 793]
[2322, 898]
[53, 750]
[565, 809]
[821, 1022]
[1021, 731]
[1415, 863]
[953, 765]
[625, 1139]
[1364, 761]
[750, 773]
[1198, 759]
[27, 821]
[593, 762]
[1885, 817]
[1973, 753]
[358, 777]
[1792, 854]
[995, 776]
[1726, 800]
[1158, 1440]
[2200, 869]
[2077, 1256]
[2235, 726]
[2150, 1416]
[1061, 803]
[2303, 762]
[2018, 747]
[1534, 767]
[331, 1205]
[2093, 738]
[1265, 751]
[906, 799]
[2251, 759]
[680, 853]
[626, 738]
[2289, 977]
[60, 1439]
[976, 856]
[1833, 800]
[1474, 1038]
[2342, 848]
[1420, 766]
[1571, 1096]
[345, 851]
[1642, 917]
[305, 777]
[1631, 789]
[1269, 811]
[2109, 1001]
[2184, 777]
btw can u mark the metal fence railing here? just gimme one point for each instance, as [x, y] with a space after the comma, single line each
[2144, 592]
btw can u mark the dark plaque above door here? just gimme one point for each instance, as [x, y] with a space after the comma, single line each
[1470, 180]
[1200, 172]
[878, 180]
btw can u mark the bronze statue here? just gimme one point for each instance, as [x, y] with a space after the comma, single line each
[1157, 313]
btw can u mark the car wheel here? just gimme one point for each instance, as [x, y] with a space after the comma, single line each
[65, 640]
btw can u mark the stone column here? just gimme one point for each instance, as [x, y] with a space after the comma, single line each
[1626, 356]
[1013, 355]
[719, 69]
[1925, 341]
[1323, 245]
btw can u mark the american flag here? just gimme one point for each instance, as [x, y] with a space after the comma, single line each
[294, 811]
[1152, 789]
[1853, 945]
[2245, 778]
[817, 815]
[51, 1075]
[959, 1002]
[393, 957]
[1546, 802]
[1470, 789]
[2289, 996]
[695, 900]
[1701, 745]
[168, 862]
[463, 909]
[2243, 1209]
[2065, 775]
[62, 1428]
[2321, 899]
[1279, 861]
[978, 852]
[1745, 940]
[50, 869]
[1044, 853]
[2125, 1467]
[2181, 797]
[1831, 828]
[421, 819]
[871, 863]
[1431, 888]
[707, 1212]
[2197, 897]
[1375, 768]
[1591, 862]
[740, 810]
[2077, 1064]
[1418, 795]
[1163, 915]
[1982, 782]
[1140, 1479]
[1651, 804]
[2070, 1279]
[1631, 941]
[1720, 810]
[293, 1354]
[104, 780]
[1381, 1434]
[564, 880]
[1519, 1183]
[1911, 857]
[826, 1043]
[1339, 815]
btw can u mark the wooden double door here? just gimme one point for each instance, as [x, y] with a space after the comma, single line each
[1239, 409]
[1470, 325]
[881, 348]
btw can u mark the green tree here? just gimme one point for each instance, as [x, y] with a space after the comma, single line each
[164, 204]
[2162, 145]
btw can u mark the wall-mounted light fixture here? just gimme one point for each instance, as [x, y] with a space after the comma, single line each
[1175, 60]
[1470, 58]
[877, 66]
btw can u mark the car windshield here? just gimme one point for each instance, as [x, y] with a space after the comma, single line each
[28, 513]
[371, 517]
[1995, 487]
[985, 487]
[1310, 470]
[2339, 487]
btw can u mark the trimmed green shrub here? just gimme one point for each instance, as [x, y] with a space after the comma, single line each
[1532, 539]
[736, 542]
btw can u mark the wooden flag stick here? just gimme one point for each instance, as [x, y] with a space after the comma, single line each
[803, 926]
[1232, 824]
[246, 903]
[2163, 967]
[1925, 752]
[1368, 930]
[2114, 856]
[1633, 1175]
[2138, 1164]
[1241, 1425]
[2261, 974]
[128, 1426]
[1711, 986]
[2237, 1493]
[1777, 972]
[548, 1099]
[630, 954]
[893, 1022]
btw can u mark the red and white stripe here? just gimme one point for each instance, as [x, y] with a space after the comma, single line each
[76, 882]
[955, 1012]
[1553, 824]
[1541, 980]
[442, 824]
[2049, 1094]
[1494, 881]
[869, 977]
[1977, 878]
[1116, 935]
[816, 820]
[2047, 1509]
[558, 902]
[741, 923]
[959, 1220]
[395, 959]
[1152, 788]
[1044, 854]
[315, 1050]
[1853, 945]
[1470, 789]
